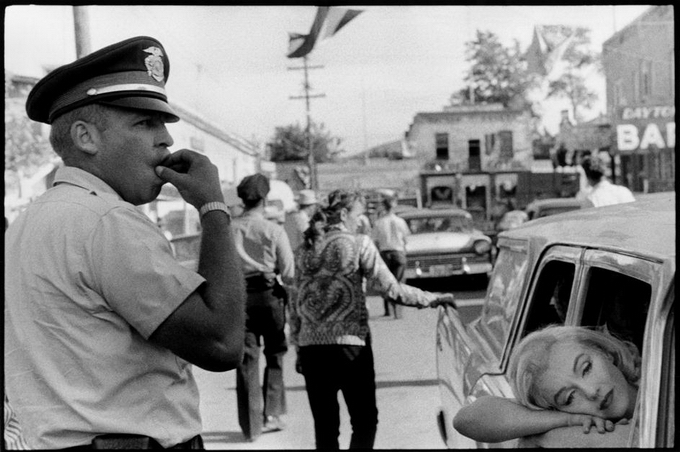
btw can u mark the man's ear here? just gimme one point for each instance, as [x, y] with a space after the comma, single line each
[85, 136]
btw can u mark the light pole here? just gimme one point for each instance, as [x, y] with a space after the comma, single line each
[313, 179]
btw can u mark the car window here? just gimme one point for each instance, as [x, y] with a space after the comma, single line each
[503, 294]
[617, 303]
[439, 224]
[550, 298]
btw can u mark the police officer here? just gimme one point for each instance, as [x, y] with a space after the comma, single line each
[101, 321]
[267, 260]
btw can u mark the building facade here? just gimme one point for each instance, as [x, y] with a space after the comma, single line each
[639, 67]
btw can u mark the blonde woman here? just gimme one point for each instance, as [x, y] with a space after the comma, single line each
[566, 380]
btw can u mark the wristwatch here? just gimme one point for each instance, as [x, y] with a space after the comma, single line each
[215, 205]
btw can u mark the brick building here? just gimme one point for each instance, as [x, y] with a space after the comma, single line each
[639, 67]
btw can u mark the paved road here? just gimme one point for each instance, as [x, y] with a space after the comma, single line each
[407, 390]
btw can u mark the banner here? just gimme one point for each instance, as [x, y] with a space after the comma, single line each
[547, 49]
[328, 21]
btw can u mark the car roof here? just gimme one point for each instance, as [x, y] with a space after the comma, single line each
[426, 213]
[555, 202]
[645, 227]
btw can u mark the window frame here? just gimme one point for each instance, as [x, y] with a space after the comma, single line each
[557, 252]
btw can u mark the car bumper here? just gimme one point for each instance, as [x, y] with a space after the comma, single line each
[443, 270]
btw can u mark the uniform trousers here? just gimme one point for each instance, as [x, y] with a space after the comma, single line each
[347, 368]
[396, 262]
[265, 319]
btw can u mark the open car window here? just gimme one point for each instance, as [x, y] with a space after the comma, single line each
[617, 303]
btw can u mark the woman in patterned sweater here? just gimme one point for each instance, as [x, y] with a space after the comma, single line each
[329, 318]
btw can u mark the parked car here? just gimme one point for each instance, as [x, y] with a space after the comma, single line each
[540, 208]
[611, 267]
[444, 242]
[511, 220]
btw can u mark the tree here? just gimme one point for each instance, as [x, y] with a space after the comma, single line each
[578, 60]
[497, 73]
[290, 144]
[26, 148]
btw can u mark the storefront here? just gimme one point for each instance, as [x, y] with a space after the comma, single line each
[645, 142]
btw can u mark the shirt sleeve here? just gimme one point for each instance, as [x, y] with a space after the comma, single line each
[284, 257]
[383, 280]
[136, 272]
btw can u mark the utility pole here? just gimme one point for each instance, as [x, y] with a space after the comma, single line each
[313, 178]
[81, 23]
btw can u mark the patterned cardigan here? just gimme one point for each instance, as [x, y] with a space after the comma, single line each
[329, 304]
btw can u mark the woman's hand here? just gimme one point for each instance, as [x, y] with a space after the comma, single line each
[588, 421]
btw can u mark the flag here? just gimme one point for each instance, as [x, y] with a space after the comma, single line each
[328, 21]
[547, 49]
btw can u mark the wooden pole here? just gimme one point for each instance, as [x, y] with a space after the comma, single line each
[81, 23]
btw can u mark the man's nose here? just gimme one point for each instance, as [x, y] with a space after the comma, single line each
[164, 138]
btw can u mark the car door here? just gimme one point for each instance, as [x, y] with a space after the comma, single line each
[632, 297]
[466, 352]
[546, 302]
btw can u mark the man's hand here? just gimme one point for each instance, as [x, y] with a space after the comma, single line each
[444, 299]
[194, 176]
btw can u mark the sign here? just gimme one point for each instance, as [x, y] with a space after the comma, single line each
[641, 128]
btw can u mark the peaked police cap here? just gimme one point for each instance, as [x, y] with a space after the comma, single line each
[129, 74]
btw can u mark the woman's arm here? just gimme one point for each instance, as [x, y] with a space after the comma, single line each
[493, 419]
[575, 437]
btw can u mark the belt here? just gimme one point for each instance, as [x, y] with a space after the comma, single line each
[260, 283]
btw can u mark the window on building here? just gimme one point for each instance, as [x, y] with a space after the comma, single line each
[505, 140]
[442, 146]
[474, 159]
[646, 78]
[619, 94]
[636, 87]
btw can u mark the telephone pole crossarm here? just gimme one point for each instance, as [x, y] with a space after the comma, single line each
[313, 179]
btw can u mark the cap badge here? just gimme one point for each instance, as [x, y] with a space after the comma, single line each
[154, 63]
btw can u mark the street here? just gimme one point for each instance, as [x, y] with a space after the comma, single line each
[407, 390]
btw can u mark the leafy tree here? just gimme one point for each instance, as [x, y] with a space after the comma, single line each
[26, 147]
[290, 144]
[497, 73]
[578, 60]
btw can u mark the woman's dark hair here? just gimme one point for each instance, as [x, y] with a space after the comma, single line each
[329, 214]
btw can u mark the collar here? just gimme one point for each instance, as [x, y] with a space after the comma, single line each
[255, 213]
[81, 178]
[337, 227]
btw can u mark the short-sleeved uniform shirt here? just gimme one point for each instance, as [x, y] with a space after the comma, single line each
[88, 278]
[263, 246]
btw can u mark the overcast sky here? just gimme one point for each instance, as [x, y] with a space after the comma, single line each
[229, 63]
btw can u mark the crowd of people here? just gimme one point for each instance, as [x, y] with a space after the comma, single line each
[103, 324]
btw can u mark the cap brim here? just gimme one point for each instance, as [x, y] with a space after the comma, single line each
[143, 103]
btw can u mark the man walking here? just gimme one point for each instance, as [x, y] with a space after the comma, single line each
[389, 234]
[601, 192]
[265, 256]
[297, 222]
[101, 321]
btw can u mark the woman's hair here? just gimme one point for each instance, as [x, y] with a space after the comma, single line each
[329, 214]
[529, 359]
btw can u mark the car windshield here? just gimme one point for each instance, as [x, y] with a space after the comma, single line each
[439, 224]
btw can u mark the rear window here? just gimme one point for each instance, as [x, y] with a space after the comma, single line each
[439, 224]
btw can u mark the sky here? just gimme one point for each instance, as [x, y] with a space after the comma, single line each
[229, 64]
